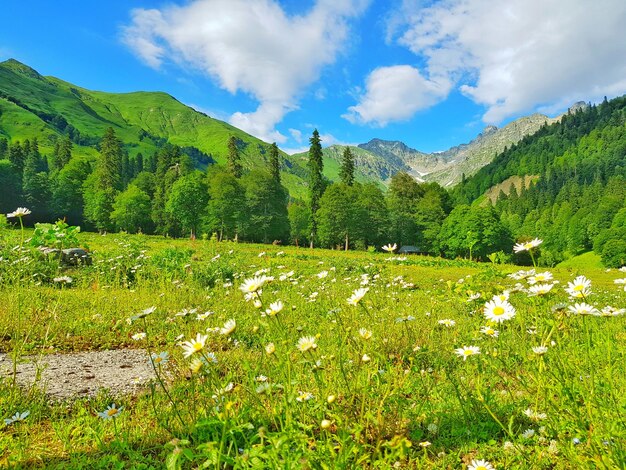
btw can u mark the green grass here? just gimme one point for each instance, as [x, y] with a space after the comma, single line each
[376, 402]
[582, 262]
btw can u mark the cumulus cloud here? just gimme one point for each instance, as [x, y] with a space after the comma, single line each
[520, 55]
[396, 93]
[249, 46]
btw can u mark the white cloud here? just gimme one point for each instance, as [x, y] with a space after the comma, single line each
[249, 46]
[396, 93]
[520, 55]
[296, 135]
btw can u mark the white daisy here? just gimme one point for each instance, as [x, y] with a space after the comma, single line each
[467, 351]
[498, 311]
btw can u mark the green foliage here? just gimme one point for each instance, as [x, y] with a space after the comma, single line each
[346, 173]
[59, 235]
[614, 253]
[227, 212]
[315, 166]
[267, 208]
[234, 165]
[187, 201]
[131, 210]
[299, 222]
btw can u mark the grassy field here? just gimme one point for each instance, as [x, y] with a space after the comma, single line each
[316, 381]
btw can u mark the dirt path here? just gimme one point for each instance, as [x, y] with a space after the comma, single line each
[83, 374]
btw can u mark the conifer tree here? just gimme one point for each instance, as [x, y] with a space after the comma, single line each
[234, 164]
[275, 163]
[346, 173]
[316, 180]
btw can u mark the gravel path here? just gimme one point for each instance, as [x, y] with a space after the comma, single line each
[83, 374]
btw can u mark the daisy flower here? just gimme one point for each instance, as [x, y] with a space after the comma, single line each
[253, 284]
[489, 331]
[304, 396]
[540, 277]
[19, 212]
[111, 412]
[160, 359]
[499, 310]
[17, 417]
[275, 308]
[527, 246]
[194, 345]
[139, 336]
[610, 311]
[306, 343]
[467, 351]
[579, 288]
[583, 309]
[502, 297]
[228, 327]
[540, 289]
[540, 350]
[480, 465]
[365, 333]
[270, 349]
[534, 415]
[447, 322]
[389, 248]
[357, 295]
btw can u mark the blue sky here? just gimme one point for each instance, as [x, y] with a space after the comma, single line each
[432, 74]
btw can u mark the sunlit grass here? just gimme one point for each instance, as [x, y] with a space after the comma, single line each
[371, 383]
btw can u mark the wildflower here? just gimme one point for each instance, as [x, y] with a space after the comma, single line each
[582, 309]
[499, 310]
[63, 279]
[261, 378]
[366, 358]
[357, 295]
[160, 359]
[405, 319]
[529, 433]
[111, 412]
[389, 248]
[275, 308]
[365, 333]
[306, 343]
[527, 246]
[467, 351]
[325, 424]
[19, 212]
[540, 350]
[447, 322]
[197, 364]
[331, 399]
[575, 441]
[534, 415]
[609, 311]
[489, 331]
[224, 390]
[270, 349]
[194, 345]
[432, 428]
[480, 465]
[304, 396]
[17, 417]
[540, 277]
[253, 284]
[503, 296]
[139, 336]
[474, 296]
[540, 289]
[203, 316]
[425, 444]
[322, 274]
[579, 288]
[228, 327]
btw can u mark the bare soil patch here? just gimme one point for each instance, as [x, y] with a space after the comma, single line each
[83, 374]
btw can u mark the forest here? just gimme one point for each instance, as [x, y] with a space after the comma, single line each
[576, 201]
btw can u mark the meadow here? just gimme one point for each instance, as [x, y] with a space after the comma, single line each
[283, 357]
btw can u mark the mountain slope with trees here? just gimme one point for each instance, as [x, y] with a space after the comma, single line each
[578, 199]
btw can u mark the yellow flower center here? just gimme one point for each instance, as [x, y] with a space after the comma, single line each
[197, 346]
[112, 412]
[528, 246]
[467, 352]
[579, 287]
[498, 310]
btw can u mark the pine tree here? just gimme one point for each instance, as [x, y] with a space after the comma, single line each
[234, 164]
[346, 173]
[275, 163]
[16, 157]
[316, 181]
[4, 148]
[110, 163]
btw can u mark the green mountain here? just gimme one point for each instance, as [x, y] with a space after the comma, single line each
[565, 184]
[48, 108]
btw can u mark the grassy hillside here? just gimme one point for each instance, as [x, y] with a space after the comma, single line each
[32, 105]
